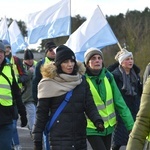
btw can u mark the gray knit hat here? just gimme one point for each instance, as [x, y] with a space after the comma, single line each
[90, 52]
[2, 47]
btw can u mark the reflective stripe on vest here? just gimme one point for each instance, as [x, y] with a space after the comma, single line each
[5, 89]
[106, 110]
[12, 61]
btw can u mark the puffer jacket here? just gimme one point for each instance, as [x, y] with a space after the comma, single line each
[69, 130]
[141, 128]
[121, 135]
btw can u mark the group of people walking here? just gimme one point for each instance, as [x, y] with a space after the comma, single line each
[69, 102]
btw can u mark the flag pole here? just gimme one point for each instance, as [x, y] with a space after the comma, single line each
[70, 16]
[119, 46]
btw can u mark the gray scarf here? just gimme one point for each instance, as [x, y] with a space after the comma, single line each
[129, 81]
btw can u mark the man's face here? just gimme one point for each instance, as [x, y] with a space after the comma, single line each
[7, 50]
[50, 53]
[2, 56]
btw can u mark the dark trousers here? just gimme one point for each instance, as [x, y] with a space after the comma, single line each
[6, 132]
[100, 142]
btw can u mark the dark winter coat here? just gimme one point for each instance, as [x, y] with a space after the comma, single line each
[120, 136]
[69, 130]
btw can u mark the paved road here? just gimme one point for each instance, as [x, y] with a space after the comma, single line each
[26, 141]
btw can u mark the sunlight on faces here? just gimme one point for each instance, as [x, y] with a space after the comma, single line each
[67, 66]
[95, 62]
[127, 63]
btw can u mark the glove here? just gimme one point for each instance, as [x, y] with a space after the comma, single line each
[23, 121]
[37, 145]
[99, 126]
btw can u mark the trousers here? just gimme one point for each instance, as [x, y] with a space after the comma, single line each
[100, 142]
[6, 134]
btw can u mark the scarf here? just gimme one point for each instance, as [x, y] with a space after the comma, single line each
[59, 85]
[129, 81]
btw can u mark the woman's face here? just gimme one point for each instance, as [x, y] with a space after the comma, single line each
[67, 66]
[127, 63]
[95, 62]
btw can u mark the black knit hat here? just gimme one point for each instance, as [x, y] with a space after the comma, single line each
[63, 53]
[28, 55]
[50, 45]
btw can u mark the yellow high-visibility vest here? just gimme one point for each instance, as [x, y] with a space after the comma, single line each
[5, 88]
[106, 110]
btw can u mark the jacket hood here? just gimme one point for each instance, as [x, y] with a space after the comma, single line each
[49, 70]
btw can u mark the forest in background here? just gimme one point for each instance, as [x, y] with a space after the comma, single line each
[131, 29]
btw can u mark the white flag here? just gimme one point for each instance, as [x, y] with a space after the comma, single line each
[94, 32]
[49, 23]
[16, 39]
[4, 35]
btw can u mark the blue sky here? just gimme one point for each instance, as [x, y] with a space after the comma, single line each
[18, 9]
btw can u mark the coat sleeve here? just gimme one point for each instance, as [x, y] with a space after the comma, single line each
[16, 92]
[36, 79]
[146, 73]
[42, 116]
[121, 106]
[141, 127]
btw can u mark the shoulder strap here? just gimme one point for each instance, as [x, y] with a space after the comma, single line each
[59, 110]
[56, 114]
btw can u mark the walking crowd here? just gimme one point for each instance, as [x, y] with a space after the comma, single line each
[66, 104]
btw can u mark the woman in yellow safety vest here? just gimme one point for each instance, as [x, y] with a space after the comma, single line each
[107, 98]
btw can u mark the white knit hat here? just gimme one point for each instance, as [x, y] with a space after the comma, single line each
[122, 55]
[90, 52]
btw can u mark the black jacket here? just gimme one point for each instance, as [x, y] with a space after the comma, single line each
[69, 130]
[121, 135]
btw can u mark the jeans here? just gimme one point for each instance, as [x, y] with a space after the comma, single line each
[15, 138]
[6, 133]
[31, 113]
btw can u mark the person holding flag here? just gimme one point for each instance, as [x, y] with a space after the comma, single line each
[127, 77]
